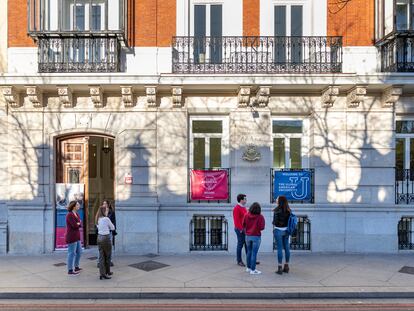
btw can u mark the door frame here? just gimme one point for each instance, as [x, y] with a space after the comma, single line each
[57, 165]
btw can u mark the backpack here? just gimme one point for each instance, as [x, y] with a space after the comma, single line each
[292, 223]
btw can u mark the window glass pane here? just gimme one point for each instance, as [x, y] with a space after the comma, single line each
[405, 127]
[199, 231]
[96, 17]
[74, 176]
[93, 161]
[80, 17]
[399, 153]
[216, 231]
[199, 153]
[286, 126]
[296, 20]
[295, 153]
[207, 127]
[215, 152]
[412, 153]
[279, 153]
[402, 15]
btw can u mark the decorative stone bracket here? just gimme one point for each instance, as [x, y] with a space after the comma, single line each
[65, 96]
[11, 96]
[96, 94]
[35, 96]
[391, 95]
[262, 96]
[177, 96]
[151, 92]
[356, 96]
[329, 96]
[127, 96]
[244, 96]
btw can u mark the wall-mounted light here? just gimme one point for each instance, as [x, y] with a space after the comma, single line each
[106, 147]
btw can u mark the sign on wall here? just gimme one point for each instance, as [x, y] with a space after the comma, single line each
[64, 194]
[295, 185]
[209, 185]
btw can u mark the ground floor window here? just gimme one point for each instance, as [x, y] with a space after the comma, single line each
[404, 162]
[301, 239]
[405, 233]
[208, 232]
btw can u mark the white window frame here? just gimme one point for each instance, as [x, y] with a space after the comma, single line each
[406, 141]
[304, 136]
[224, 140]
[267, 18]
[85, 3]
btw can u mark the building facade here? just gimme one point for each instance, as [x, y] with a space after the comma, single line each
[131, 99]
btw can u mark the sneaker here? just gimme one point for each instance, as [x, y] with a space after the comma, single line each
[73, 273]
[77, 269]
[255, 272]
[248, 270]
[241, 264]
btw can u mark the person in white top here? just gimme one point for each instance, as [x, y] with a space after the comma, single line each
[105, 226]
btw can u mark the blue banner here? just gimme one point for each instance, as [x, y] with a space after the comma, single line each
[294, 185]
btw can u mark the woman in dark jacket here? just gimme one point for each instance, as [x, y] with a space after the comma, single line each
[280, 220]
[73, 223]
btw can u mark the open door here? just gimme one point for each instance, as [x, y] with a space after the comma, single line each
[88, 160]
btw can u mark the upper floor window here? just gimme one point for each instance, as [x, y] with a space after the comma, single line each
[404, 14]
[76, 15]
[209, 142]
[404, 145]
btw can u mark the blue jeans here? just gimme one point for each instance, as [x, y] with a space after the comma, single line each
[241, 241]
[74, 254]
[253, 244]
[282, 242]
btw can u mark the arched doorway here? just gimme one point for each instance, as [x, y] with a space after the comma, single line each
[87, 162]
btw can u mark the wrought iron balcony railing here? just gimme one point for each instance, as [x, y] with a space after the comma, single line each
[256, 54]
[86, 53]
[397, 52]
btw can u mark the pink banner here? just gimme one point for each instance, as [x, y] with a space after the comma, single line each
[209, 185]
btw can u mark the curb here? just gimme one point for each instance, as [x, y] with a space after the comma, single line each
[205, 295]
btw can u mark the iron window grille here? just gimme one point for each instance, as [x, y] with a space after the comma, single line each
[404, 186]
[301, 240]
[406, 233]
[312, 183]
[208, 233]
[251, 54]
[189, 200]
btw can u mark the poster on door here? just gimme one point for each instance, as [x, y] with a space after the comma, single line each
[209, 185]
[66, 193]
[294, 185]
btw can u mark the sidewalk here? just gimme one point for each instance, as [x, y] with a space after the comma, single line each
[209, 276]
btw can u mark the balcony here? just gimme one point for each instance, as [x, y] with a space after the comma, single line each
[79, 35]
[209, 55]
[79, 54]
[397, 52]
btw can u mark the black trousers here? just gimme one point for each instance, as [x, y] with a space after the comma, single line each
[105, 250]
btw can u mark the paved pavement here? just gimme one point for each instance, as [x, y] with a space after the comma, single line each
[209, 276]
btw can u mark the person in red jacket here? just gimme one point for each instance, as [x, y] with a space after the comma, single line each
[73, 223]
[253, 224]
[239, 211]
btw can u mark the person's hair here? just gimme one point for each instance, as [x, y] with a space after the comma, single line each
[255, 209]
[111, 208]
[283, 203]
[240, 197]
[71, 205]
[100, 213]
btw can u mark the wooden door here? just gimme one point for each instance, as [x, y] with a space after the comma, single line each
[73, 167]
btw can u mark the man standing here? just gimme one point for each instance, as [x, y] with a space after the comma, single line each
[238, 214]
